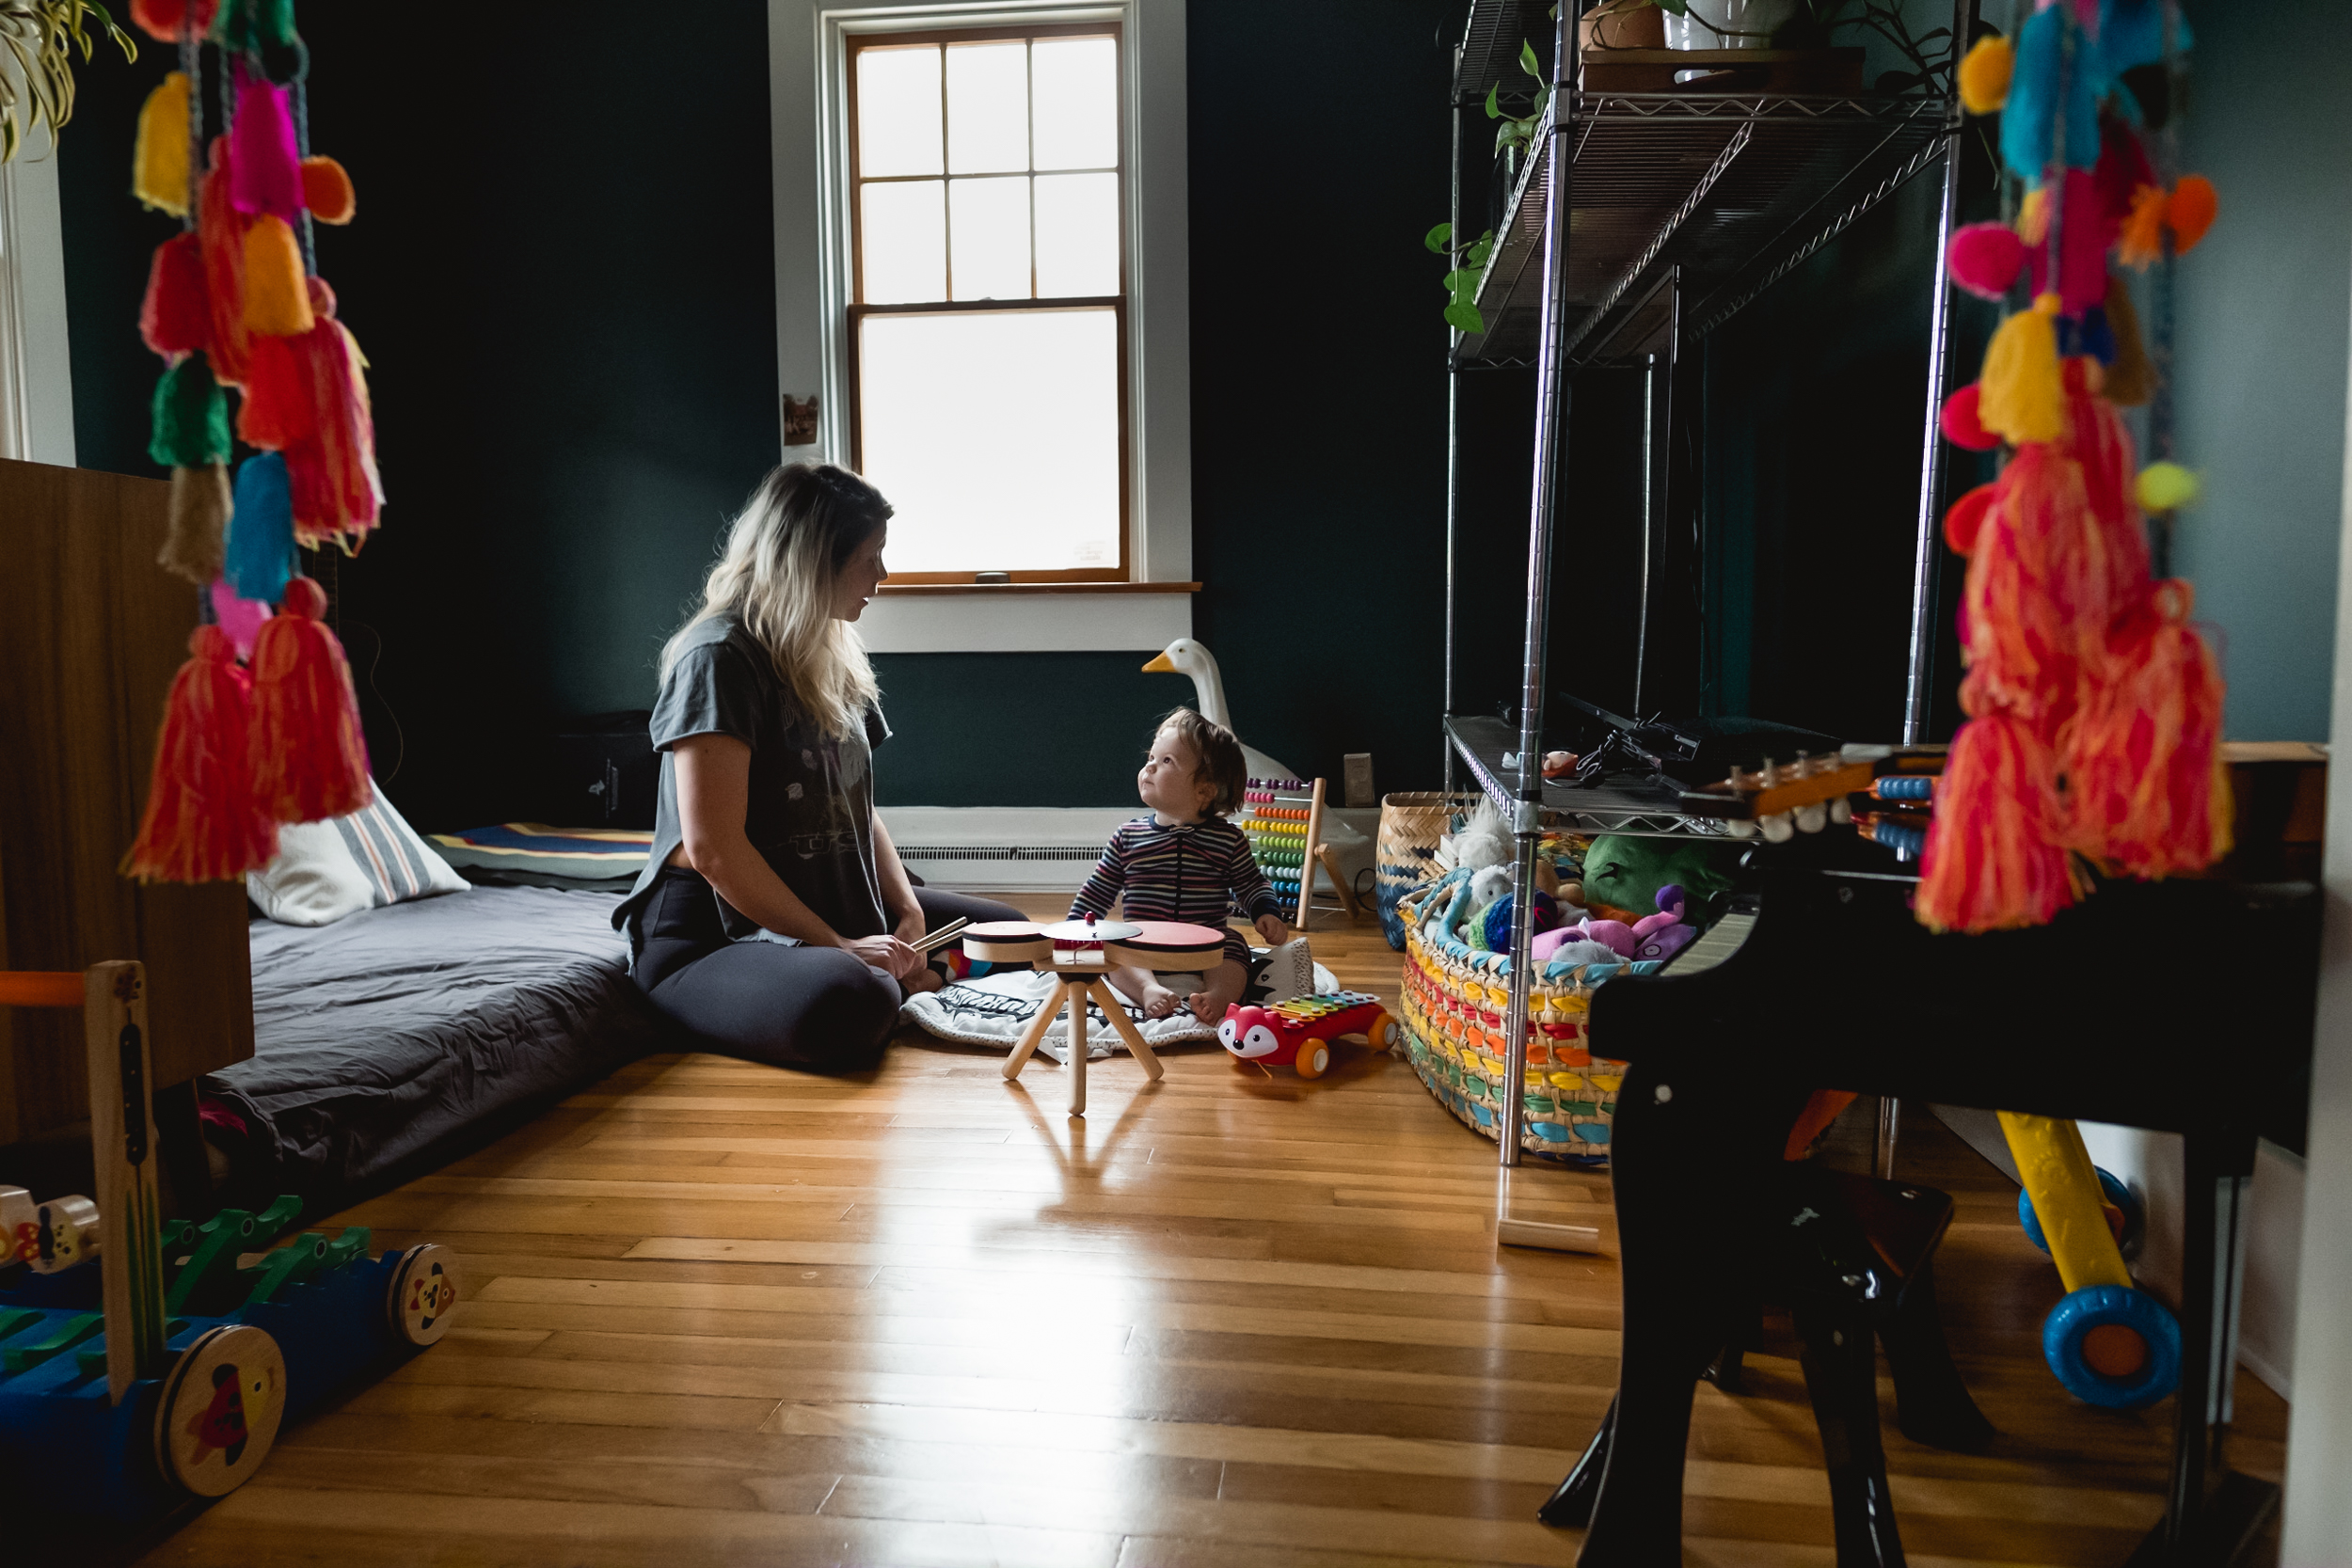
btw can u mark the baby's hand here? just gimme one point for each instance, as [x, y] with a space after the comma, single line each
[1274, 930]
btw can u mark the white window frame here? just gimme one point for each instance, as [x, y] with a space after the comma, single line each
[36, 368]
[807, 70]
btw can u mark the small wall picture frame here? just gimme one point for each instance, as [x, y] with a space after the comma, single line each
[799, 420]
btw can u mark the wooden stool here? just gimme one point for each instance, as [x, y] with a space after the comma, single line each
[1079, 954]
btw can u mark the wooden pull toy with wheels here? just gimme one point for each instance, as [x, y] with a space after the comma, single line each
[141, 1362]
[1080, 953]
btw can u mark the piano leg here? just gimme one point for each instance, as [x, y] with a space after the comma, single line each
[1687, 1157]
[1841, 1366]
[1571, 1505]
[1931, 1403]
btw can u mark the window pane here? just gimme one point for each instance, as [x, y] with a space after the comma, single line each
[995, 435]
[902, 242]
[1076, 114]
[990, 230]
[1077, 234]
[897, 111]
[988, 107]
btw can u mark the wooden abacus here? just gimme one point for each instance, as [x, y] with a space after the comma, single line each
[1284, 823]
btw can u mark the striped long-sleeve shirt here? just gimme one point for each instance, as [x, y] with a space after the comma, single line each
[1189, 871]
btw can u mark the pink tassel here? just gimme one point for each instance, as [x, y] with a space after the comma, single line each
[266, 171]
[2082, 247]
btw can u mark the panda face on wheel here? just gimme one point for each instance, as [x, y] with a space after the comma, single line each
[1249, 1033]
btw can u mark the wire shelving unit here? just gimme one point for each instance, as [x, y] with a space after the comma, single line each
[1641, 221]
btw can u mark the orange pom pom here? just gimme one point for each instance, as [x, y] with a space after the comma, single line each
[1966, 518]
[2194, 206]
[310, 758]
[200, 824]
[1990, 862]
[327, 191]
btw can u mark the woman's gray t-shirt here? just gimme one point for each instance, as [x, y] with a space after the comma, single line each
[810, 807]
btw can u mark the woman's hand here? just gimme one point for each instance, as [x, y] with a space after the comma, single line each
[911, 926]
[1273, 929]
[890, 954]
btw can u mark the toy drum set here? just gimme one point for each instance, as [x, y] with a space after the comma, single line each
[141, 1363]
[1080, 954]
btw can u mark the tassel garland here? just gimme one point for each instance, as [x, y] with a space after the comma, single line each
[1986, 258]
[267, 176]
[166, 21]
[309, 759]
[1984, 73]
[200, 824]
[191, 417]
[338, 494]
[194, 546]
[240, 618]
[277, 302]
[175, 318]
[1963, 423]
[159, 159]
[2022, 398]
[260, 529]
[2144, 768]
[1990, 862]
[220, 229]
[2190, 211]
[277, 411]
[2142, 240]
[2131, 378]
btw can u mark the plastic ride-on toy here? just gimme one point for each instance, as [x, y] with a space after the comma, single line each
[1300, 1031]
[2108, 1342]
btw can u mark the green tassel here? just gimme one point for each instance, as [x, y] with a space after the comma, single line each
[245, 26]
[191, 417]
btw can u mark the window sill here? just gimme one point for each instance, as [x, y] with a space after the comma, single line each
[892, 589]
[1027, 617]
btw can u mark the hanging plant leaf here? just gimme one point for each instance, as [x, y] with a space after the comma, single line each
[1494, 109]
[1465, 318]
[1441, 239]
[1528, 62]
[40, 37]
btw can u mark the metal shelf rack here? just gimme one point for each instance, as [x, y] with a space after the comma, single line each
[1642, 220]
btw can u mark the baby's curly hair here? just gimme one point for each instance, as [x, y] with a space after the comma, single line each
[1221, 763]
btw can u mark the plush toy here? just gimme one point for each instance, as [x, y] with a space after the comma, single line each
[1496, 923]
[1621, 876]
[1565, 947]
[1663, 934]
[1483, 841]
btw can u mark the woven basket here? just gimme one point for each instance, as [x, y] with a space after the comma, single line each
[1453, 1011]
[1410, 826]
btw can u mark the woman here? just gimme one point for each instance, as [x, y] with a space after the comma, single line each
[773, 916]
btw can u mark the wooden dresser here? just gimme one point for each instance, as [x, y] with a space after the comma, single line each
[91, 631]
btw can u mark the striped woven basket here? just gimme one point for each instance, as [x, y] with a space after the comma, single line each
[1453, 1012]
[1410, 825]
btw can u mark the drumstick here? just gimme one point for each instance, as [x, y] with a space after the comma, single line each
[942, 936]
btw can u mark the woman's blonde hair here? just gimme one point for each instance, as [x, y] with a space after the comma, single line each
[776, 575]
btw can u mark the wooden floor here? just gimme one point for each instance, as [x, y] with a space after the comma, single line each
[723, 1314]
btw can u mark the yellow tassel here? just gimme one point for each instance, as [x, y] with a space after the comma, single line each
[2132, 379]
[2033, 217]
[277, 297]
[2022, 397]
[159, 163]
[1984, 73]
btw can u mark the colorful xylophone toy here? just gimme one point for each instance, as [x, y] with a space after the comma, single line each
[142, 1362]
[1299, 1032]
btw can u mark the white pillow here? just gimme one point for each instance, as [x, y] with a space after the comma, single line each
[327, 870]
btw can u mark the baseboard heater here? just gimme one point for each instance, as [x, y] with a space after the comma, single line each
[1013, 849]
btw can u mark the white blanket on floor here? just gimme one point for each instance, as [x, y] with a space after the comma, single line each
[997, 1009]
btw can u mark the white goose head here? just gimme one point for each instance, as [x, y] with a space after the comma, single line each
[1185, 656]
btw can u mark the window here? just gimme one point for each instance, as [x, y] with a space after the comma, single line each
[988, 312]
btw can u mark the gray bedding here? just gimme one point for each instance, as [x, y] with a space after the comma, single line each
[379, 1035]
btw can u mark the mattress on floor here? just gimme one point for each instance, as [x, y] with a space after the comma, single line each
[378, 1037]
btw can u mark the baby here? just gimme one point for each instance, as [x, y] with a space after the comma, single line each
[1185, 861]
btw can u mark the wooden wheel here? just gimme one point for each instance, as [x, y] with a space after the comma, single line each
[1314, 1058]
[425, 1292]
[221, 1404]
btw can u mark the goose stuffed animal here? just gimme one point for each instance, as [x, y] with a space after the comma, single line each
[1185, 657]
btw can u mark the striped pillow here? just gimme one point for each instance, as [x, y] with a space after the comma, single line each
[327, 870]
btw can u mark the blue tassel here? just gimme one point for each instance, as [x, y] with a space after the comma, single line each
[260, 529]
[2029, 118]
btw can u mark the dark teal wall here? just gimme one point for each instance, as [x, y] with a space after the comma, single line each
[2263, 308]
